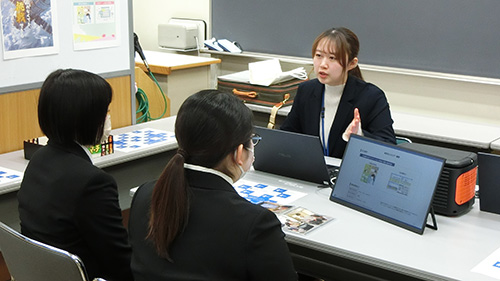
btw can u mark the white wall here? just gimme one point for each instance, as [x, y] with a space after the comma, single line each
[149, 13]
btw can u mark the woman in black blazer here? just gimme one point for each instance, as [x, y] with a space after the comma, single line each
[64, 200]
[339, 102]
[191, 224]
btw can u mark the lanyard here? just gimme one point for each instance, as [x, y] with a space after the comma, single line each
[326, 150]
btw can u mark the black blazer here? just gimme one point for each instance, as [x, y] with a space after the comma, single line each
[67, 202]
[376, 121]
[226, 238]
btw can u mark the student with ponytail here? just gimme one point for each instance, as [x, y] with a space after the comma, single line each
[191, 224]
[339, 102]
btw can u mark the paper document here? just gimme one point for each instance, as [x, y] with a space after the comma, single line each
[268, 72]
[238, 77]
[296, 219]
[490, 266]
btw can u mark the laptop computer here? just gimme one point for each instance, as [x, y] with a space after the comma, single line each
[292, 155]
[489, 183]
[387, 181]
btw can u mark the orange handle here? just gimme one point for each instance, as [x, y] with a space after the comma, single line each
[245, 94]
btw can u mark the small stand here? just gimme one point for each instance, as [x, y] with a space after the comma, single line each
[433, 217]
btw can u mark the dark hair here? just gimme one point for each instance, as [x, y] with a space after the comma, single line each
[346, 46]
[209, 126]
[73, 105]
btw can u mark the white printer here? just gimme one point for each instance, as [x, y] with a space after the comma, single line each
[178, 36]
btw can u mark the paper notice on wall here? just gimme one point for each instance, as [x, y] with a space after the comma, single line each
[95, 24]
[28, 28]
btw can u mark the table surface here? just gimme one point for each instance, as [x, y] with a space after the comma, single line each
[459, 244]
[165, 63]
[449, 253]
[496, 144]
[15, 160]
[450, 131]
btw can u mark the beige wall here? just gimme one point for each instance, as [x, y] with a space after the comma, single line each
[149, 13]
[461, 98]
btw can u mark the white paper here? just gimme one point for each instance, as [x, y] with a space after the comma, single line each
[239, 77]
[490, 266]
[268, 72]
[264, 72]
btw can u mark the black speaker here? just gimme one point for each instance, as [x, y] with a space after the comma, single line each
[455, 192]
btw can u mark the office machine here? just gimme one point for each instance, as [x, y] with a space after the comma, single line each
[182, 36]
[455, 192]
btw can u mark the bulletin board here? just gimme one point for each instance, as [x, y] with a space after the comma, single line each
[89, 35]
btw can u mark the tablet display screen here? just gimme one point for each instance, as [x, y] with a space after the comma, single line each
[391, 183]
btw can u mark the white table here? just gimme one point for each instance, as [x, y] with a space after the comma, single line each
[129, 169]
[15, 160]
[355, 243]
[477, 135]
[449, 253]
[495, 145]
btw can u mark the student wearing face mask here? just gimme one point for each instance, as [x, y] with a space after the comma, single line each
[64, 200]
[339, 102]
[191, 224]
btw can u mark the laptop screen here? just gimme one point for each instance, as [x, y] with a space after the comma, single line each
[389, 182]
[291, 154]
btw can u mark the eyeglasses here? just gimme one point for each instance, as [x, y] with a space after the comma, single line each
[255, 139]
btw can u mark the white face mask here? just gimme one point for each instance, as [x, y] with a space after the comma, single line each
[243, 172]
[107, 129]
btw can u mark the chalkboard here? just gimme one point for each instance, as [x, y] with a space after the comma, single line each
[29, 72]
[449, 36]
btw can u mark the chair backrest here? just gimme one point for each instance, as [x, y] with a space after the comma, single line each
[29, 260]
[400, 140]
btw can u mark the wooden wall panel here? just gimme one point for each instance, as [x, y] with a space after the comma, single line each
[19, 121]
[121, 106]
[18, 115]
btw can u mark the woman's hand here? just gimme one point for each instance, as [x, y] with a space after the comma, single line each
[354, 127]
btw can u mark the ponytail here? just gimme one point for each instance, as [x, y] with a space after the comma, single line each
[169, 205]
[208, 127]
[356, 72]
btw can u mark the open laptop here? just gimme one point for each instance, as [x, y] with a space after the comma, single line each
[292, 155]
[388, 182]
[489, 183]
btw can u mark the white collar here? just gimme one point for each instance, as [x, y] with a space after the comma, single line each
[209, 170]
[337, 90]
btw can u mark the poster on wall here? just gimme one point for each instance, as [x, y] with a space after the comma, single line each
[95, 24]
[28, 28]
